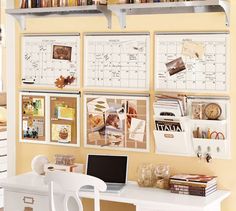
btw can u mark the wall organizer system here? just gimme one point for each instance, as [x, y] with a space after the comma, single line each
[116, 122]
[50, 118]
[202, 130]
[50, 60]
[197, 62]
[117, 61]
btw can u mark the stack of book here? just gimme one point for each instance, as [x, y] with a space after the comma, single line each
[193, 184]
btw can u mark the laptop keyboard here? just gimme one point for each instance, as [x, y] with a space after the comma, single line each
[110, 188]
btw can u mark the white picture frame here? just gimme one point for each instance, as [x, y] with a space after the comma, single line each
[118, 61]
[47, 117]
[205, 58]
[113, 100]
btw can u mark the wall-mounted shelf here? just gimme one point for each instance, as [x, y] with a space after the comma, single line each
[21, 14]
[201, 6]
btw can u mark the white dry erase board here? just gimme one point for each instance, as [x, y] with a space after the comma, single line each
[192, 62]
[117, 61]
[47, 57]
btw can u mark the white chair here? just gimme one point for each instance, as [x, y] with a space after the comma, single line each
[71, 184]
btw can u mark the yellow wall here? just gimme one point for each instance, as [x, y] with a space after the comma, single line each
[224, 169]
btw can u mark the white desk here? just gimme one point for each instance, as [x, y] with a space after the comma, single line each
[29, 190]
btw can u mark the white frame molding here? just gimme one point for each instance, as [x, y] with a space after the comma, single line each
[47, 105]
[114, 96]
[11, 89]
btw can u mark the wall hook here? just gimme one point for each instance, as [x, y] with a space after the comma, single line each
[208, 157]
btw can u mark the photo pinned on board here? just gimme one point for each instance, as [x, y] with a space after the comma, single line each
[175, 66]
[62, 52]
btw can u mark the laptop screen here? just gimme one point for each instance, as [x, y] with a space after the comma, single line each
[110, 169]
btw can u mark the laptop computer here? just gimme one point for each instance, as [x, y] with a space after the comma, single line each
[109, 168]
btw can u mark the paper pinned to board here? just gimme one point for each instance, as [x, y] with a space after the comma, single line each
[61, 133]
[137, 129]
[97, 106]
[193, 49]
[66, 113]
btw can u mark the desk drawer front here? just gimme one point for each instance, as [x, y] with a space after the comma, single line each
[3, 167]
[3, 158]
[3, 143]
[25, 202]
[3, 135]
[3, 151]
[3, 174]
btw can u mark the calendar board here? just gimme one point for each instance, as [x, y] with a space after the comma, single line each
[117, 61]
[46, 58]
[192, 62]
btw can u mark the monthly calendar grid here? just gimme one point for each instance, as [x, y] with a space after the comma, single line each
[204, 74]
[38, 66]
[116, 61]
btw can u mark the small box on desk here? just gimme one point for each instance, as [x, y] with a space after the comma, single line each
[55, 167]
[76, 167]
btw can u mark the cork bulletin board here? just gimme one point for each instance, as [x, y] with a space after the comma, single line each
[117, 122]
[63, 121]
[33, 117]
[50, 118]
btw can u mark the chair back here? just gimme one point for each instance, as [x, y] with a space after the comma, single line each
[71, 184]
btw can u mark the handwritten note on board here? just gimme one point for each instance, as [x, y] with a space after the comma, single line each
[117, 61]
[46, 58]
[205, 57]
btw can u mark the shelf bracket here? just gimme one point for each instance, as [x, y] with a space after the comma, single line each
[108, 15]
[21, 20]
[121, 14]
[226, 7]
[222, 6]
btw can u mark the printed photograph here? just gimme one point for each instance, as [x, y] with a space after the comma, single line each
[61, 133]
[62, 52]
[33, 128]
[131, 111]
[175, 66]
[33, 106]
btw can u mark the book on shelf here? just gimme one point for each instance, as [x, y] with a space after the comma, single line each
[58, 3]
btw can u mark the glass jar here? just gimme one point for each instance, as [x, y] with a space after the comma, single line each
[161, 175]
[146, 175]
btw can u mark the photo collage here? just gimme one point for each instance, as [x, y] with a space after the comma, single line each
[114, 121]
[33, 118]
[49, 117]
